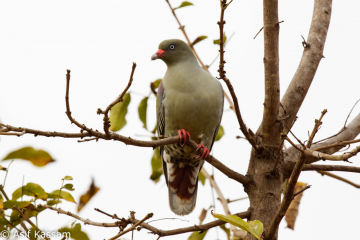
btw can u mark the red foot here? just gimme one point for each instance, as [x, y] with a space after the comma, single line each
[183, 134]
[205, 152]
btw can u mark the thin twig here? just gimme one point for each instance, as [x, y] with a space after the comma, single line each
[294, 145]
[12, 133]
[323, 156]
[30, 222]
[339, 178]
[7, 170]
[119, 99]
[341, 143]
[85, 221]
[168, 219]
[307, 187]
[3, 192]
[321, 167]
[88, 139]
[226, 42]
[350, 113]
[222, 74]
[149, 215]
[316, 128]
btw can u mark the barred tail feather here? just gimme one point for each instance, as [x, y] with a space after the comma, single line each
[182, 185]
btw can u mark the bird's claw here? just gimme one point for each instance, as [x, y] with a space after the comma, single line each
[183, 134]
[205, 152]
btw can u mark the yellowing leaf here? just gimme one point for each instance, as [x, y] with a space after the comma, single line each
[202, 215]
[142, 111]
[197, 236]
[184, 4]
[30, 189]
[202, 178]
[75, 232]
[67, 178]
[10, 204]
[39, 158]
[156, 165]
[63, 194]
[217, 41]
[118, 113]
[2, 168]
[293, 210]
[198, 39]
[220, 133]
[255, 227]
[85, 198]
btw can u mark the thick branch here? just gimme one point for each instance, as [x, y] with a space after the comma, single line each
[339, 178]
[320, 167]
[271, 64]
[300, 84]
[331, 145]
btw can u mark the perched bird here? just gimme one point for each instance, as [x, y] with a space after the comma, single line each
[189, 103]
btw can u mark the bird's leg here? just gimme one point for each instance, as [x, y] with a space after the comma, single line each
[205, 152]
[183, 134]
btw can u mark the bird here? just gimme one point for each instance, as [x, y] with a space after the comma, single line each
[189, 103]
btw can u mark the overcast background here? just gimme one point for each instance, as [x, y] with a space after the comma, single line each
[99, 40]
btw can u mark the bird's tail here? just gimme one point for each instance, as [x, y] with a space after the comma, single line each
[182, 184]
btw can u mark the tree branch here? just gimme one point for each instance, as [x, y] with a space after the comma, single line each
[149, 215]
[345, 134]
[300, 84]
[320, 167]
[119, 99]
[339, 178]
[290, 186]
[182, 28]
[130, 141]
[271, 64]
[85, 221]
[222, 74]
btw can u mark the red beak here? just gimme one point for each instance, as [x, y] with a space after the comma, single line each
[158, 54]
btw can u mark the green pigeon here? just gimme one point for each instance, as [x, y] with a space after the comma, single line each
[189, 102]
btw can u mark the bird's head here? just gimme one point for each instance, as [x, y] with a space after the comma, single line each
[173, 51]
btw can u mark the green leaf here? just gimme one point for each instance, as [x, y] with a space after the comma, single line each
[142, 111]
[67, 178]
[226, 230]
[53, 202]
[217, 41]
[202, 178]
[154, 130]
[30, 189]
[184, 4]
[118, 113]
[198, 39]
[156, 83]
[10, 204]
[156, 165]
[197, 235]
[75, 232]
[39, 158]
[64, 195]
[69, 187]
[255, 227]
[220, 133]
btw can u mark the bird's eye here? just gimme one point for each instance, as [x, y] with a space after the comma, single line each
[172, 46]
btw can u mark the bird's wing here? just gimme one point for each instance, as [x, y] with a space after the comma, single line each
[160, 116]
[218, 126]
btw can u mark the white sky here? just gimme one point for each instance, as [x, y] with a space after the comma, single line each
[99, 40]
